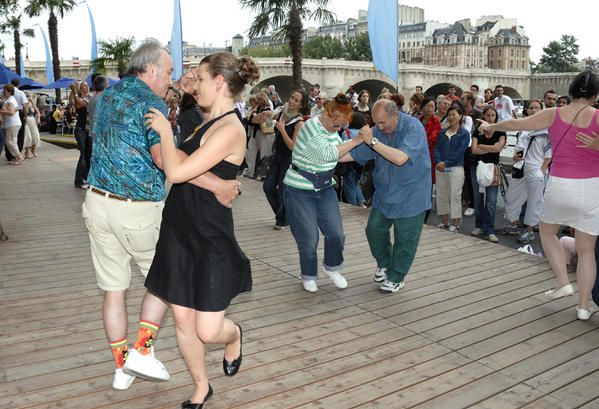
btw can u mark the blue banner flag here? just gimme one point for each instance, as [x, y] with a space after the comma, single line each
[176, 45]
[94, 51]
[22, 70]
[49, 70]
[382, 32]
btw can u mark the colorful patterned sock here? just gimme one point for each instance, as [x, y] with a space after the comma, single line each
[119, 352]
[145, 336]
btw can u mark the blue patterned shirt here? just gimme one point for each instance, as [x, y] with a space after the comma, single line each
[121, 160]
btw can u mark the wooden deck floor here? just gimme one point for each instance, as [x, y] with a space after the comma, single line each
[470, 329]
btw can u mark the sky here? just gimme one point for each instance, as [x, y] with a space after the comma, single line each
[217, 21]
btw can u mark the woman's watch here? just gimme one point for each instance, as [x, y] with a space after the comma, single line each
[373, 142]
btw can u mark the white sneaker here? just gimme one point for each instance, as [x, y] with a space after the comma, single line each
[337, 278]
[453, 229]
[584, 313]
[310, 286]
[380, 274]
[493, 238]
[145, 366]
[389, 287]
[121, 381]
[560, 292]
[476, 232]
[469, 211]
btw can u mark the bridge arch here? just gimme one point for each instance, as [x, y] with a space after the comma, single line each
[441, 88]
[282, 83]
[374, 87]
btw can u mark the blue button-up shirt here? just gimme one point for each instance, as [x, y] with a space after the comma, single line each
[121, 160]
[400, 191]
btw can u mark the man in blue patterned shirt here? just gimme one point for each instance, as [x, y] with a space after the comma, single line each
[123, 206]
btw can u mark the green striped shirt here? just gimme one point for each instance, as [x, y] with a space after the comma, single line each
[315, 151]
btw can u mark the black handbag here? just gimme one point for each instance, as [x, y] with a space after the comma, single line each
[518, 173]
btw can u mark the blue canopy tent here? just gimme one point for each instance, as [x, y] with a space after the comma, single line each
[64, 82]
[7, 75]
[28, 83]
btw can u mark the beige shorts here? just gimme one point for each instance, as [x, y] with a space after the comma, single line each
[118, 232]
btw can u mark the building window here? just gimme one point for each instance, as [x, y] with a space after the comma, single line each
[512, 52]
[511, 64]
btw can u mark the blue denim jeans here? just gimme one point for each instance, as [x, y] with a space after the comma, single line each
[485, 206]
[351, 189]
[307, 212]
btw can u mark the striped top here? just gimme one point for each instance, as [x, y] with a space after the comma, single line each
[315, 150]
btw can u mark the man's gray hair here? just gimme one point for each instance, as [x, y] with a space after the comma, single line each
[148, 53]
[388, 105]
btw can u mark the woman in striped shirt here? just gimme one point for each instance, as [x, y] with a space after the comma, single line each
[310, 198]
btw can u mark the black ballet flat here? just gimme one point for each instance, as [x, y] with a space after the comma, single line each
[188, 405]
[231, 368]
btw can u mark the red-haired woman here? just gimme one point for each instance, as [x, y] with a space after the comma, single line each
[310, 199]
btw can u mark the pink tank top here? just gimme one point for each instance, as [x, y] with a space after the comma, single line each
[569, 161]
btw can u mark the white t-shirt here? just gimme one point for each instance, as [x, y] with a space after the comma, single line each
[21, 98]
[11, 120]
[504, 106]
[540, 149]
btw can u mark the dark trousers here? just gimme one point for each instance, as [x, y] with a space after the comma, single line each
[274, 189]
[396, 257]
[468, 190]
[84, 143]
[20, 137]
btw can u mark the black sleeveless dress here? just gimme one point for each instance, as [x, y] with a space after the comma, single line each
[198, 263]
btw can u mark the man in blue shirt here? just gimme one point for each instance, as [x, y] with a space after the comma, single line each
[402, 181]
[123, 206]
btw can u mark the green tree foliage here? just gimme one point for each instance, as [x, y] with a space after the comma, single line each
[355, 48]
[286, 17]
[282, 50]
[53, 7]
[114, 52]
[358, 48]
[11, 23]
[560, 56]
[320, 47]
[591, 64]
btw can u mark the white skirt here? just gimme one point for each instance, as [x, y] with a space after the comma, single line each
[572, 202]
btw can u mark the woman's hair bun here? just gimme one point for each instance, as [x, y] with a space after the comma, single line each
[248, 70]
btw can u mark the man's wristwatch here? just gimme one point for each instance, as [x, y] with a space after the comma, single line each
[373, 142]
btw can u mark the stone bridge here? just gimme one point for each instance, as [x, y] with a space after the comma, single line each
[337, 75]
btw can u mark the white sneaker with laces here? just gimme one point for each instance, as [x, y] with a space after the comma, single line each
[453, 229]
[391, 287]
[145, 366]
[310, 286]
[121, 381]
[337, 278]
[469, 211]
[380, 274]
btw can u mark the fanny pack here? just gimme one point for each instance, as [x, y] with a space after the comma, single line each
[320, 180]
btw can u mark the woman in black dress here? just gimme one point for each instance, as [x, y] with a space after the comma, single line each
[198, 267]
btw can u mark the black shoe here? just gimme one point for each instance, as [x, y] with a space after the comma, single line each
[188, 405]
[231, 368]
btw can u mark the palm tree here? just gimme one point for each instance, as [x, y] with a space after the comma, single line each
[286, 16]
[117, 51]
[13, 24]
[60, 7]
